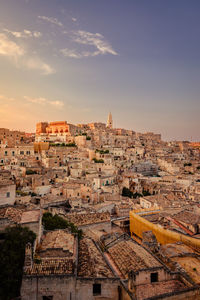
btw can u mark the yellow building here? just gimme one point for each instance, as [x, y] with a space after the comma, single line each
[138, 224]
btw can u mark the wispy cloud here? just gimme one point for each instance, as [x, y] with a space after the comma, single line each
[71, 53]
[35, 63]
[51, 20]
[7, 99]
[19, 56]
[74, 19]
[24, 34]
[43, 101]
[10, 48]
[96, 40]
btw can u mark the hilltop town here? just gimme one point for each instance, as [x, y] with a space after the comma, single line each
[115, 213]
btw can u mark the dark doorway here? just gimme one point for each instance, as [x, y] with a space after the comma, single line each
[96, 289]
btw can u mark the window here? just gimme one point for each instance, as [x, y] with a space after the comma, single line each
[154, 277]
[6, 153]
[47, 298]
[96, 289]
[21, 152]
[13, 153]
[8, 194]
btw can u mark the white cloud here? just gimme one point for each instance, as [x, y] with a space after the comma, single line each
[90, 39]
[24, 34]
[35, 63]
[10, 48]
[96, 40]
[20, 57]
[44, 101]
[37, 34]
[70, 53]
[51, 20]
[74, 19]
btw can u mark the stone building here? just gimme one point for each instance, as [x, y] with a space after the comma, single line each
[62, 269]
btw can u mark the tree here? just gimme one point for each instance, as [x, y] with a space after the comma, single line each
[127, 193]
[146, 193]
[12, 254]
[51, 222]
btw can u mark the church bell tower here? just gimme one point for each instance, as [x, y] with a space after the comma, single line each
[109, 121]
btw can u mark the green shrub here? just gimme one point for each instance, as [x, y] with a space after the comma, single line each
[98, 161]
[30, 172]
[51, 222]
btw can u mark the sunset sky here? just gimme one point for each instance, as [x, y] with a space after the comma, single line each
[76, 60]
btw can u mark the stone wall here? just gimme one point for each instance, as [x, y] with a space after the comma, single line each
[68, 288]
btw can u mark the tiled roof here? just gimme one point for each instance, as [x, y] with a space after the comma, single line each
[187, 217]
[51, 267]
[11, 213]
[91, 262]
[129, 256]
[86, 219]
[58, 239]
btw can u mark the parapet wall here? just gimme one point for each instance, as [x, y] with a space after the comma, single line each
[138, 225]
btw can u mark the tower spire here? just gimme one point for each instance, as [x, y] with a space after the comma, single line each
[109, 121]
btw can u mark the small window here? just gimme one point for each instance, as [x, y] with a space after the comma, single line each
[96, 289]
[6, 153]
[47, 298]
[154, 277]
[8, 194]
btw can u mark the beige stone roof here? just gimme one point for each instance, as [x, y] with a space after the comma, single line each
[55, 255]
[187, 217]
[158, 288]
[58, 239]
[30, 216]
[176, 249]
[129, 256]
[91, 262]
[52, 267]
[11, 213]
[90, 218]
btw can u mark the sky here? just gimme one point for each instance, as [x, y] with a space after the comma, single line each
[76, 60]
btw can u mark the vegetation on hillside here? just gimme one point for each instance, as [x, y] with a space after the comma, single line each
[98, 161]
[127, 193]
[102, 151]
[63, 145]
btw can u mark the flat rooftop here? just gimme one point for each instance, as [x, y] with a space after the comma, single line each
[58, 239]
[158, 288]
[30, 216]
